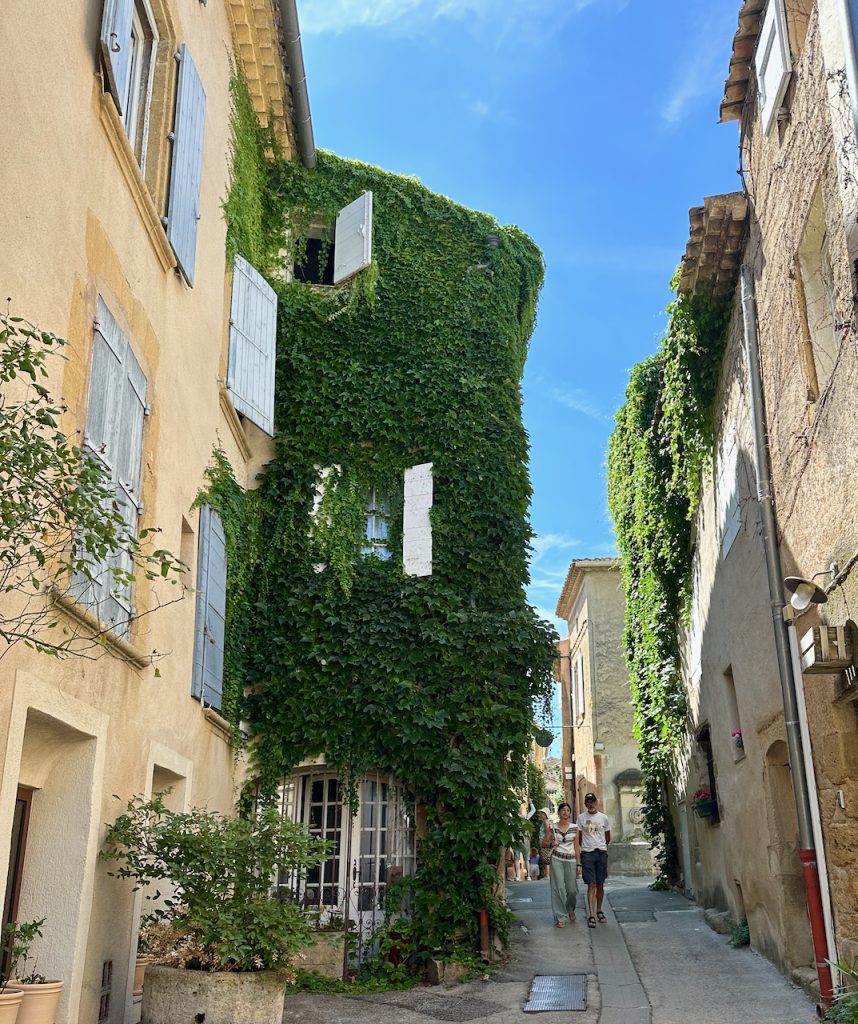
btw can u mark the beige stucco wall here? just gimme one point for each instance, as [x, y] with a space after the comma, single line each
[75, 224]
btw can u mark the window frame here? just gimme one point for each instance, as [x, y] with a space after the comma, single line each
[376, 510]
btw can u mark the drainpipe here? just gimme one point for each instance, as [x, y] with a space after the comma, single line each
[807, 846]
[298, 79]
[847, 36]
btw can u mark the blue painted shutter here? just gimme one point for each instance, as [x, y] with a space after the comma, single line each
[183, 208]
[207, 682]
[114, 436]
[252, 345]
[116, 46]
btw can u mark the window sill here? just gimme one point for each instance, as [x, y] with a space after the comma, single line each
[220, 725]
[133, 176]
[117, 646]
[235, 424]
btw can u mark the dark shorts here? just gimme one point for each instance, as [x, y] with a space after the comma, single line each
[594, 866]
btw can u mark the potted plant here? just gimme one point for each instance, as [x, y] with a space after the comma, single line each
[737, 739]
[39, 996]
[144, 955]
[703, 804]
[222, 942]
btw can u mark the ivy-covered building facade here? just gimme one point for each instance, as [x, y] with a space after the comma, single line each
[377, 633]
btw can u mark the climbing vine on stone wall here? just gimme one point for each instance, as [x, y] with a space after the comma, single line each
[657, 456]
[434, 679]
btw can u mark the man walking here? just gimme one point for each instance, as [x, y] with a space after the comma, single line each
[594, 831]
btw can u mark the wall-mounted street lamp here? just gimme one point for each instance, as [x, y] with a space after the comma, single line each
[804, 592]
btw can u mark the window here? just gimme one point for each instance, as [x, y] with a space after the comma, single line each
[116, 408]
[576, 690]
[375, 536]
[332, 257]
[128, 41]
[814, 278]
[129, 45]
[772, 61]
[704, 741]
[135, 107]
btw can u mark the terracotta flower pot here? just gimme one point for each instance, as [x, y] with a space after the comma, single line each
[139, 973]
[10, 1004]
[40, 1002]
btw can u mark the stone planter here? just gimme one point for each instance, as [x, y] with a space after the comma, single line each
[224, 997]
[40, 1002]
[705, 808]
[325, 955]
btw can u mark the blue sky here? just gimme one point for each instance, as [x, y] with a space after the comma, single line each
[592, 124]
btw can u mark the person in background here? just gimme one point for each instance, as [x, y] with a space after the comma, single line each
[533, 864]
[564, 866]
[545, 840]
[595, 837]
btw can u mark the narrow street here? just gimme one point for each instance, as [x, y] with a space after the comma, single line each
[656, 961]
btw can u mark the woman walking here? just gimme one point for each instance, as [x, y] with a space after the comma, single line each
[564, 866]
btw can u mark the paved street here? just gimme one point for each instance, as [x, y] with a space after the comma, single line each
[656, 961]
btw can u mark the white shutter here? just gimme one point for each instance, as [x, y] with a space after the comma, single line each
[581, 708]
[116, 46]
[416, 524]
[729, 510]
[252, 345]
[353, 238]
[573, 692]
[207, 681]
[183, 210]
[772, 62]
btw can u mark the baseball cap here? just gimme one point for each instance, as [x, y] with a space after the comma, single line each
[590, 796]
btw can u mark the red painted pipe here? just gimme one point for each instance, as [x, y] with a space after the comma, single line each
[484, 935]
[817, 925]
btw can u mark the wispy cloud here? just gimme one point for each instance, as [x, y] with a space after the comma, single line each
[545, 543]
[504, 16]
[701, 71]
[481, 109]
[579, 401]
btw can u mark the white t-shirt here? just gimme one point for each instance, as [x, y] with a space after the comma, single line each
[592, 829]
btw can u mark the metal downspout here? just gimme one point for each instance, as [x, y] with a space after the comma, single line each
[847, 36]
[807, 850]
[298, 79]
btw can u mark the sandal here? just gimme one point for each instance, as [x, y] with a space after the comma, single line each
[559, 924]
[591, 922]
[572, 916]
[601, 917]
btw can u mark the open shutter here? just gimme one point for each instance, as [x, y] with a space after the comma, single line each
[252, 343]
[116, 47]
[184, 202]
[207, 684]
[353, 238]
[773, 62]
[416, 526]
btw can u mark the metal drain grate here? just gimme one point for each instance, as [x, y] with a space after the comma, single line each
[519, 899]
[557, 992]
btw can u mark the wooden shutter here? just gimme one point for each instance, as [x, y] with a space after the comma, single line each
[186, 167]
[207, 683]
[252, 345]
[116, 46]
[773, 62]
[416, 525]
[114, 435]
[353, 238]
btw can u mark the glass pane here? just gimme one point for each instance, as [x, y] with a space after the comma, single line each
[313, 875]
[367, 841]
[380, 528]
[385, 789]
[367, 815]
[382, 841]
[315, 821]
[367, 869]
[383, 822]
[317, 791]
[366, 897]
[332, 819]
[333, 790]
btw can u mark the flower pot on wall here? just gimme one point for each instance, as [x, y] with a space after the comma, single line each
[240, 997]
[139, 974]
[705, 808]
[40, 1002]
[10, 1004]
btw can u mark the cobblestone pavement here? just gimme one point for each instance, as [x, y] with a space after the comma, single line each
[656, 961]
